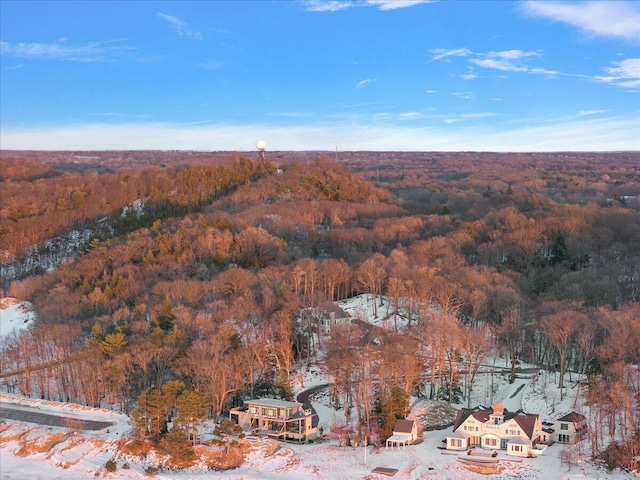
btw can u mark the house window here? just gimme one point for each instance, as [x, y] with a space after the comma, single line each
[564, 438]
[492, 442]
[516, 448]
[456, 442]
[253, 410]
[564, 426]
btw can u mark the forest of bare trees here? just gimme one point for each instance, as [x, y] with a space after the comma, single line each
[203, 267]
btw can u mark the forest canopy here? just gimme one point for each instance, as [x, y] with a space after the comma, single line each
[199, 270]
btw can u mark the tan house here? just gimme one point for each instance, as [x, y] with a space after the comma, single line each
[330, 315]
[570, 428]
[279, 419]
[498, 429]
[405, 432]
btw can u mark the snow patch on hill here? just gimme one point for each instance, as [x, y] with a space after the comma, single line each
[15, 316]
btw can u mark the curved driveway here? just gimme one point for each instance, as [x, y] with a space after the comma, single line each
[304, 398]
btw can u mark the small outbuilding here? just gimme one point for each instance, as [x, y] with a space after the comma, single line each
[405, 432]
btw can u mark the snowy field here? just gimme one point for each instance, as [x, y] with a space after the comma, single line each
[28, 451]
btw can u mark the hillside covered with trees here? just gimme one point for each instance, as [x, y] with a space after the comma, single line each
[188, 275]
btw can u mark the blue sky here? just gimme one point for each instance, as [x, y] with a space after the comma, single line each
[320, 75]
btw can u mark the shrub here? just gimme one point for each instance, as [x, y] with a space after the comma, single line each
[151, 470]
[111, 466]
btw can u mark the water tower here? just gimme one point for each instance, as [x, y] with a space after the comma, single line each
[261, 146]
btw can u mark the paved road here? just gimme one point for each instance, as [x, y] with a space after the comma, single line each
[32, 415]
[303, 397]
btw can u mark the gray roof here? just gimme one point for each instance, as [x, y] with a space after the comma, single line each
[272, 402]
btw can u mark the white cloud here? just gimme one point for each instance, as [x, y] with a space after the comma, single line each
[338, 5]
[410, 115]
[181, 27]
[469, 116]
[583, 134]
[327, 5]
[14, 67]
[584, 113]
[507, 60]
[440, 53]
[468, 76]
[463, 95]
[395, 4]
[625, 73]
[364, 82]
[212, 65]
[601, 18]
[89, 52]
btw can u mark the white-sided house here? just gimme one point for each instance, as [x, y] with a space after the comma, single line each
[499, 429]
[570, 428]
[331, 315]
[279, 419]
[405, 432]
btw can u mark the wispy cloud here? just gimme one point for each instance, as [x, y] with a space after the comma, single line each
[468, 116]
[470, 75]
[600, 18]
[606, 133]
[463, 95]
[395, 4]
[327, 5]
[14, 67]
[507, 60]
[504, 60]
[89, 52]
[625, 73]
[211, 65]
[364, 82]
[585, 113]
[440, 53]
[181, 27]
[338, 5]
[410, 115]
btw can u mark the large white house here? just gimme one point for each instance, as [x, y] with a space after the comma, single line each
[329, 315]
[277, 419]
[497, 428]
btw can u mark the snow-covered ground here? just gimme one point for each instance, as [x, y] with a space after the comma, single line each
[15, 316]
[31, 452]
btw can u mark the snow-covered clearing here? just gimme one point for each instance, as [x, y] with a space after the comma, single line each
[32, 452]
[15, 316]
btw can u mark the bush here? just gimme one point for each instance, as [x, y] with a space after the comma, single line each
[125, 466]
[151, 470]
[111, 466]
